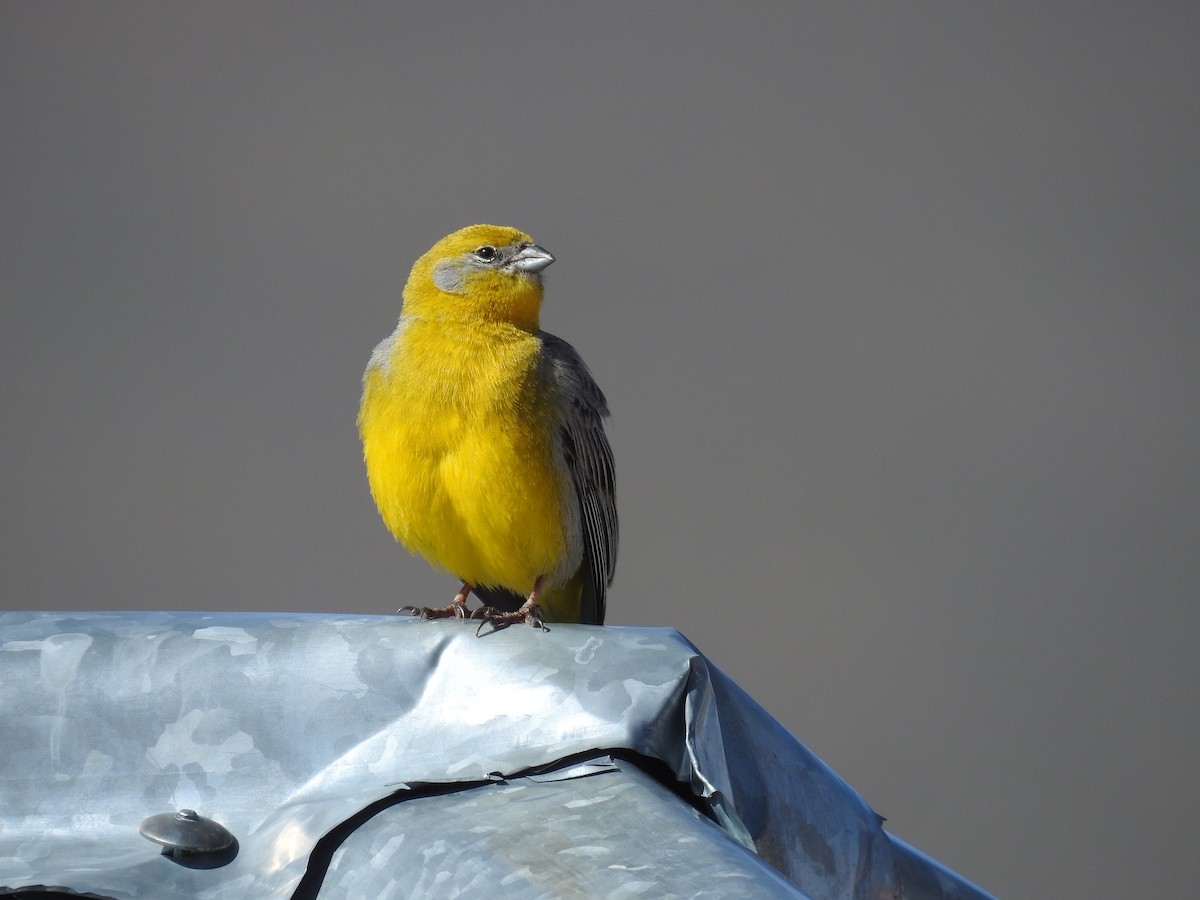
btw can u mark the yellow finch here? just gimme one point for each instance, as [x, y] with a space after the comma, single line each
[483, 437]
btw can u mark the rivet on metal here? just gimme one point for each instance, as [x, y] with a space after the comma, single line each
[186, 831]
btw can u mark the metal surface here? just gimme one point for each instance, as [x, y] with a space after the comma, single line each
[604, 829]
[406, 742]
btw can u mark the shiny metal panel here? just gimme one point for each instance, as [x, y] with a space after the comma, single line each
[284, 727]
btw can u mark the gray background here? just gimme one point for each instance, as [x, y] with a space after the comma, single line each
[895, 305]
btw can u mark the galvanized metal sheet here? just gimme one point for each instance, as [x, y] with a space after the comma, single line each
[286, 728]
[608, 831]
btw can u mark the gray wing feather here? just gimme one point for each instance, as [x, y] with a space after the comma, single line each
[590, 460]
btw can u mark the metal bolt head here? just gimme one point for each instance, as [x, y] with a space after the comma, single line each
[186, 831]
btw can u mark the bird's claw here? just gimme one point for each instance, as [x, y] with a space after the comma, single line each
[453, 611]
[528, 614]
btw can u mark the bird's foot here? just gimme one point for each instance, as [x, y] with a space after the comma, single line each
[529, 613]
[456, 609]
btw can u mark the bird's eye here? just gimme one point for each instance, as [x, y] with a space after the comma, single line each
[487, 254]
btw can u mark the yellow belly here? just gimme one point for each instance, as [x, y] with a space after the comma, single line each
[464, 461]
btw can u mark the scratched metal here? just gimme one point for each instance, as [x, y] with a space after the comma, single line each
[287, 727]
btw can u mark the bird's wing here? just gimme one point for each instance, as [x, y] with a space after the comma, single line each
[589, 458]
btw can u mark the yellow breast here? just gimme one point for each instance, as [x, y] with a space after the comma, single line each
[464, 457]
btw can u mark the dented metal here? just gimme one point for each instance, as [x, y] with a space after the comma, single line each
[385, 755]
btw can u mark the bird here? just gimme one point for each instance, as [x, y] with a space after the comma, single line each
[483, 438]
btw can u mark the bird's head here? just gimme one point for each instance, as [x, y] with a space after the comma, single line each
[479, 273]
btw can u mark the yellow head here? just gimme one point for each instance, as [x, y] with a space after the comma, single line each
[480, 273]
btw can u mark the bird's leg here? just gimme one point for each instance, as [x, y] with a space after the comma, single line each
[456, 609]
[529, 613]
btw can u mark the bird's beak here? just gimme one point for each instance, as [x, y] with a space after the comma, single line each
[532, 259]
